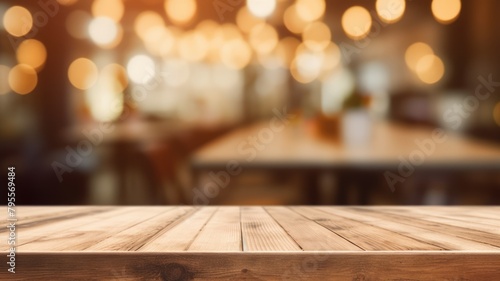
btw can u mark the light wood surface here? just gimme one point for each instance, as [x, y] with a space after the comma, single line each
[295, 145]
[266, 243]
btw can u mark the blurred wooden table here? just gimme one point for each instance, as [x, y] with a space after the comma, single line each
[392, 148]
[297, 147]
[265, 243]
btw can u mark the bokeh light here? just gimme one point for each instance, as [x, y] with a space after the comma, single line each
[307, 65]
[208, 28]
[180, 11]
[332, 57]
[145, 21]
[105, 106]
[246, 21]
[430, 69]
[496, 114]
[17, 21]
[390, 11]
[263, 38]
[4, 79]
[103, 31]
[416, 52]
[221, 35]
[446, 11]
[118, 74]
[310, 10]
[261, 8]
[212, 33]
[236, 54]
[83, 73]
[292, 20]
[141, 69]
[32, 52]
[106, 100]
[356, 22]
[22, 79]
[112, 9]
[230, 31]
[159, 41]
[316, 36]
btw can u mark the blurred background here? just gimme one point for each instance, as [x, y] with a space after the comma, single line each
[251, 102]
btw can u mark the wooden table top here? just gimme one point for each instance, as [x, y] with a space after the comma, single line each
[267, 243]
[295, 145]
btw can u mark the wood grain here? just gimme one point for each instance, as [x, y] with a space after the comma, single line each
[133, 238]
[260, 232]
[309, 235]
[258, 243]
[349, 266]
[446, 241]
[181, 236]
[221, 233]
[367, 237]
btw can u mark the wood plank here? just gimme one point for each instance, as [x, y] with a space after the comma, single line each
[309, 235]
[48, 229]
[440, 215]
[180, 237]
[26, 212]
[359, 265]
[221, 233]
[488, 215]
[432, 215]
[87, 231]
[466, 233]
[280, 229]
[41, 216]
[445, 241]
[260, 232]
[133, 238]
[367, 237]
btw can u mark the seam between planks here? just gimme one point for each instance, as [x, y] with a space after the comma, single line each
[56, 218]
[389, 213]
[201, 228]
[284, 229]
[241, 232]
[66, 227]
[441, 216]
[167, 228]
[328, 229]
[138, 223]
[386, 229]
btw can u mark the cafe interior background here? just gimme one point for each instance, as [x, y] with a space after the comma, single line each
[227, 102]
